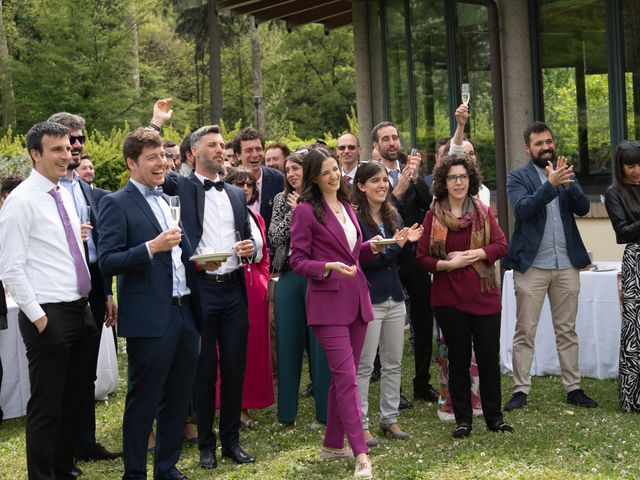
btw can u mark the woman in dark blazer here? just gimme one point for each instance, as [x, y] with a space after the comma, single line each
[326, 248]
[622, 200]
[377, 216]
[461, 242]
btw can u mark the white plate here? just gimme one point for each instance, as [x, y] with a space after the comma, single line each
[385, 241]
[211, 257]
[596, 269]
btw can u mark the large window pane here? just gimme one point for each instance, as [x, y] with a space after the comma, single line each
[573, 58]
[396, 56]
[631, 43]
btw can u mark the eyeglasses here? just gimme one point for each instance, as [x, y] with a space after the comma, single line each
[346, 147]
[454, 178]
[248, 183]
[80, 138]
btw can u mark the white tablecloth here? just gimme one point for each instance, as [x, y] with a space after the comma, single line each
[597, 326]
[14, 392]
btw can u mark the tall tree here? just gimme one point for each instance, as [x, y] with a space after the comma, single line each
[215, 63]
[7, 96]
[256, 73]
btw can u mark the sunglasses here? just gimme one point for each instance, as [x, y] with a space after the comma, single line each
[248, 183]
[346, 147]
[80, 138]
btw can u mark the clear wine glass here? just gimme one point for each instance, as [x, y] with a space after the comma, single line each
[465, 93]
[174, 208]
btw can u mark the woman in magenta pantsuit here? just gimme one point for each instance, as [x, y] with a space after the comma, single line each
[257, 390]
[326, 248]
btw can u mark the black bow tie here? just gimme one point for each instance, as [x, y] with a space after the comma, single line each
[208, 184]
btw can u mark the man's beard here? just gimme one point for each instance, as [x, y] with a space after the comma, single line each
[384, 153]
[540, 162]
[73, 165]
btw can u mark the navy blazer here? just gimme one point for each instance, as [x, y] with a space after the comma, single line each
[529, 198]
[383, 270]
[145, 285]
[272, 184]
[191, 192]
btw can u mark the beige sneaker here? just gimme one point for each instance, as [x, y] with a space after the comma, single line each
[363, 469]
[327, 453]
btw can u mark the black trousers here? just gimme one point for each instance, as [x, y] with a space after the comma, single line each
[58, 371]
[97, 303]
[417, 283]
[225, 326]
[460, 330]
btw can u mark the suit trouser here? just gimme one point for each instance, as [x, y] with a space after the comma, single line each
[461, 331]
[291, 326]
[563, 288]
[161, 372]
[343, 346]
[225, 327]
[58, 372]
[386, 332]
[418, 285]
[97, 301]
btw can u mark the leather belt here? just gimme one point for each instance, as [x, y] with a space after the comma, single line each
[180, 301]
[225, 277]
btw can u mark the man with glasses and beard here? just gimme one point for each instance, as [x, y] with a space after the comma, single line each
[100, 297]
[546, 254]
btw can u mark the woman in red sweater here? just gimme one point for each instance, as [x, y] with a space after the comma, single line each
[461, 242]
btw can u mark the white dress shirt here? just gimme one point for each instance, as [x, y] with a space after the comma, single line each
[218, 227]
[35, 262]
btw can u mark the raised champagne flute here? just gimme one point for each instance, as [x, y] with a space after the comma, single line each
[174, 208]
[465, 93]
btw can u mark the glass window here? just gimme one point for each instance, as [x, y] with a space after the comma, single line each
[631, 43]
[396, 42]
[573, 62]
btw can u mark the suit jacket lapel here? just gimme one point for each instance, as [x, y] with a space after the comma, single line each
[139, 200]
[333, 226]
[532, 172]
[199, 197]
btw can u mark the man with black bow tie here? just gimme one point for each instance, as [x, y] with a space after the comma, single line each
[214, 214]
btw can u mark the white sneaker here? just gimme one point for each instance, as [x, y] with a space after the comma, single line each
[331, 453]
[363, 469]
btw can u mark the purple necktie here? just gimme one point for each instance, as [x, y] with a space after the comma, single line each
[82, 273]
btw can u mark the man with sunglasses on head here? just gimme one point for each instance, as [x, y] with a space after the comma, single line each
[348, 151]
[100, 297]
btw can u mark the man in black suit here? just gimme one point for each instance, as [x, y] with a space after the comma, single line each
[248, 145]
[141, 244]
[88, 174]
[100, 297]
[213, 215]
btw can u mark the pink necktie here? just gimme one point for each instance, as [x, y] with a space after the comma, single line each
[82, 273]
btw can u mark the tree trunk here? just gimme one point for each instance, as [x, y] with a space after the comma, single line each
[256, 63]
[7, 97]
[215, 63]
[135, 75]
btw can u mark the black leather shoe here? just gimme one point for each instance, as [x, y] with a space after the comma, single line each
[96, 452]
[518, 400]
[404, 403]
[427, 395]
[579, 398]
[208, 459]
[237, 455]
[462, 430]
[501, 427]
[177, 475]
[75, 471]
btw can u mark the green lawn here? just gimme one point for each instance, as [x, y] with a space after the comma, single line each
[553, 440]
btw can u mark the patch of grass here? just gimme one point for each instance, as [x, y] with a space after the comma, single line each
[552, 441]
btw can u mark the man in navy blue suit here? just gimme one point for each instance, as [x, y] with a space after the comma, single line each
[141, 244]
[248, 144]
[546, 254]
[215, 218]
[100, 297]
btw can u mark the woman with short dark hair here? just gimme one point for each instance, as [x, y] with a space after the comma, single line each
[461, 242]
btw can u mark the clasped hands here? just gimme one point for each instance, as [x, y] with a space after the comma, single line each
[461, 259]
[561, 174]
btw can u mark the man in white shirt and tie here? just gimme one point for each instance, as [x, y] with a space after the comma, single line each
[42, 263]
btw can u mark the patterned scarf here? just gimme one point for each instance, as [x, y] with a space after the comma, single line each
[475, 214]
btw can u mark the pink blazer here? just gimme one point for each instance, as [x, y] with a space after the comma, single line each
[336, 299]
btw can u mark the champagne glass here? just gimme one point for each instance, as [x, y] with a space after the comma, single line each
[85, 214]
[242, 260]
[174, 208]
[466, 95]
